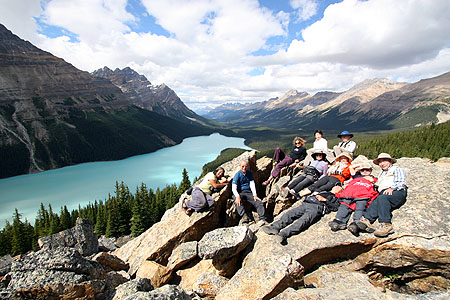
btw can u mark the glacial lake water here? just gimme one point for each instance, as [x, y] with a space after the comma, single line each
[87, 182]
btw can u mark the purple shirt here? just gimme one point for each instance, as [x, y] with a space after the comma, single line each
[321, 166]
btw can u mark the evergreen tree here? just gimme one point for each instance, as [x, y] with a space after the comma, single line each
[185, 182]
[139, 213]
[65, 221]
[19, 242]
[101, 221]
[6, 239]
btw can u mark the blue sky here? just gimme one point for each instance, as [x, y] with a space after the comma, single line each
[216, 51]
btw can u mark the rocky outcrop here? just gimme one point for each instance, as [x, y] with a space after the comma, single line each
[199, 256]
[81, 237]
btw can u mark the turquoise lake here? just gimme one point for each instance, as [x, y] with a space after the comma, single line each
[87, 182]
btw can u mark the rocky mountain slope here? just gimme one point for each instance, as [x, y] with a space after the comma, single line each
[370, 105]
[208, 256]
[53, 115]
[160, 98]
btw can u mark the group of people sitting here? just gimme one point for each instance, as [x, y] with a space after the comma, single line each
[329, 182]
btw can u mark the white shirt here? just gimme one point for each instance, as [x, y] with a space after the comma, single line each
[321, 144]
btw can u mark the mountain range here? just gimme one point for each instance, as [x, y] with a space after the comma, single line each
[53, 114]
[373, 104]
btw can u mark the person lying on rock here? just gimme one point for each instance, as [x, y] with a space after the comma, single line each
[393, 191]
[298, 153]
[340, 171]
[301, 217]
[201, 199]
[356, 196]
[244, 189]
[316, 169]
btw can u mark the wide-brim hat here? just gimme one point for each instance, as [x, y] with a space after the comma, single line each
[345, 132]
[385, 156]
[364, 165]
[318, 151]
[348, 155]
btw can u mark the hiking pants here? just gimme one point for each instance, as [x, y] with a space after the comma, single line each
[200, 200]
[297, 219]
[300, 183]
[344, 211]
[258, 205]
[383, 205]
[282, 160]
[324, 184]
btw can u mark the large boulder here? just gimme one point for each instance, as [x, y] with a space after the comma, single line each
[131, 287]
[223, 243]
[269, 276]
[167, 292]
[208, 284]
[183, 254]
[81, 237]
[176, 227]
[5, 264]
[54, 274]
[156, 273]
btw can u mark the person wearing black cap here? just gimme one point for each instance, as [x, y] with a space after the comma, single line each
[346, 145]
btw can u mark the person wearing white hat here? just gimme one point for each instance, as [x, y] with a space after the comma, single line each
[393, 191]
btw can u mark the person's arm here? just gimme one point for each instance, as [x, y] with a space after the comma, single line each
[217, 185]
[253, 189]
[399, 179]
[351, 147]
[236, 194]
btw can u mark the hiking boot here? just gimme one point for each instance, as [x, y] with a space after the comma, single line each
[383, 230]
[262, 223]
[281, 239]
[336, 225]
[364, 225]
[269, 230]
[245, 220]
[353, 228]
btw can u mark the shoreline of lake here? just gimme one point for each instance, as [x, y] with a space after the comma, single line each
[92, 181]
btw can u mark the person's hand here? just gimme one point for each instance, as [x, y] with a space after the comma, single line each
[321, 198]
[237, 201]
[256, 198]
[388, 191]
[336, 189]
[296, 160]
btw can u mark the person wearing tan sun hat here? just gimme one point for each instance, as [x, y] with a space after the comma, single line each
[393, 191]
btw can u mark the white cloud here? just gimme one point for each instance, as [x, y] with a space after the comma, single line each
[24, 26]
[208, 54]
[376, 33]
[305, 9]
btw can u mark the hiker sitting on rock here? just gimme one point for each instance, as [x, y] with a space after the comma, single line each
[244, 189]
[393, 190]
[356, 196]
[201, 194]
[301, 217]
[340, 171]
[346, 145]
[316, 169]
[297, 154]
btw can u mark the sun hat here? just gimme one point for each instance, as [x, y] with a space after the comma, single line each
[345, 132]
[364, 165]
[318, 151]
[383, 155]
[350, 158]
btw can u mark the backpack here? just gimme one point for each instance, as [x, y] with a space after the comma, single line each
[311, 171]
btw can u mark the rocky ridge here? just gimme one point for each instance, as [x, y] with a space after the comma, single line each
[53, 115]
[207, 255]
[372, 104]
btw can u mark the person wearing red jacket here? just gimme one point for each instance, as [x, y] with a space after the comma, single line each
[356, 196]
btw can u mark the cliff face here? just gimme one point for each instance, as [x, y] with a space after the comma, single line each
[160, 98]
[53, 115]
